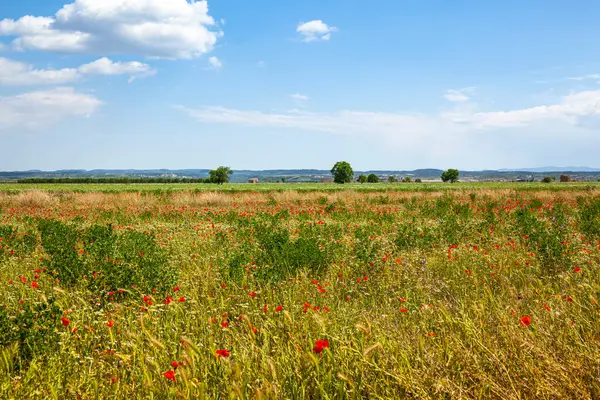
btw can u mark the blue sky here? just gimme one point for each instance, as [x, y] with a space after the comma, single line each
[298, 84]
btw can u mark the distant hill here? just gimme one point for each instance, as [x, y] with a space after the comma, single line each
[552, 169]
[308, 175]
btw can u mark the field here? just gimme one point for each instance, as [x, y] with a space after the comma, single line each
[290, 291]
[161, 188]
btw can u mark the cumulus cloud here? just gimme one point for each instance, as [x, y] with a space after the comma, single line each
[315, 30]
[20, 74]
[42, 108]
[17, 73]
[173, 29]
[215, 63]
[571, 110]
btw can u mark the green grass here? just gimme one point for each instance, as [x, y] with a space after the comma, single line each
[419, 295]
[276, 187]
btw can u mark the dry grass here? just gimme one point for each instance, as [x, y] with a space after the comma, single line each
[429, 321]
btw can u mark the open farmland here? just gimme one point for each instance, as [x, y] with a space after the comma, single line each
[162, 188]
[474, 292]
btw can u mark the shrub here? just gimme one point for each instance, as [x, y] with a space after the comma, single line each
[61, 243]
[109, 261]
[372, 178]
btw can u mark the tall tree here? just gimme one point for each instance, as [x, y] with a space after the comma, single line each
[220, 175]
[451, 175]
[342, 172]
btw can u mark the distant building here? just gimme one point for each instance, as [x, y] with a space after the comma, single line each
[565, 178]
[253, 180]
[326, 180]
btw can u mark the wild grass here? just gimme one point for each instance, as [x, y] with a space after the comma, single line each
[418, 294]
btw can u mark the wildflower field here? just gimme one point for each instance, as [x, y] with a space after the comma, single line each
[472, 293]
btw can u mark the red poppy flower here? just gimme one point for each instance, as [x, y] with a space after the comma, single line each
[182, 300]
[170, 375]
[176, 289]
[174, 364]
[110, 323]
[278, 308]
[223, 353]
[320, 345]
[403, 310]
[577, 269]
[168, 300]
[34, 285]
[225, 324]
[525, 320]
[65, 321]
[223, 285]
[252, 294]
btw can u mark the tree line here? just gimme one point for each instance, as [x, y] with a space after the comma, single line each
[218, 176]
[343, 173]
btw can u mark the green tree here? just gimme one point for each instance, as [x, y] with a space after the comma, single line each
[547, 179]
[407, 179]
[392, 179]
[362, 178]
[220, 175]
[372, 178]
[451, 175]
[342, 172]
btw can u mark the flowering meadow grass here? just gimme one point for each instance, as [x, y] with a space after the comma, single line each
[462, 294]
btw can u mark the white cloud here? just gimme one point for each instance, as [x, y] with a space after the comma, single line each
[570, 110]
[301, 100]
[408, 126]
[42, 108]
[19, 74]
[215, 63]
[315, 30]
[459, 95]
[174, 29]
[341, 122]
[298, 96]
[585, 77]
